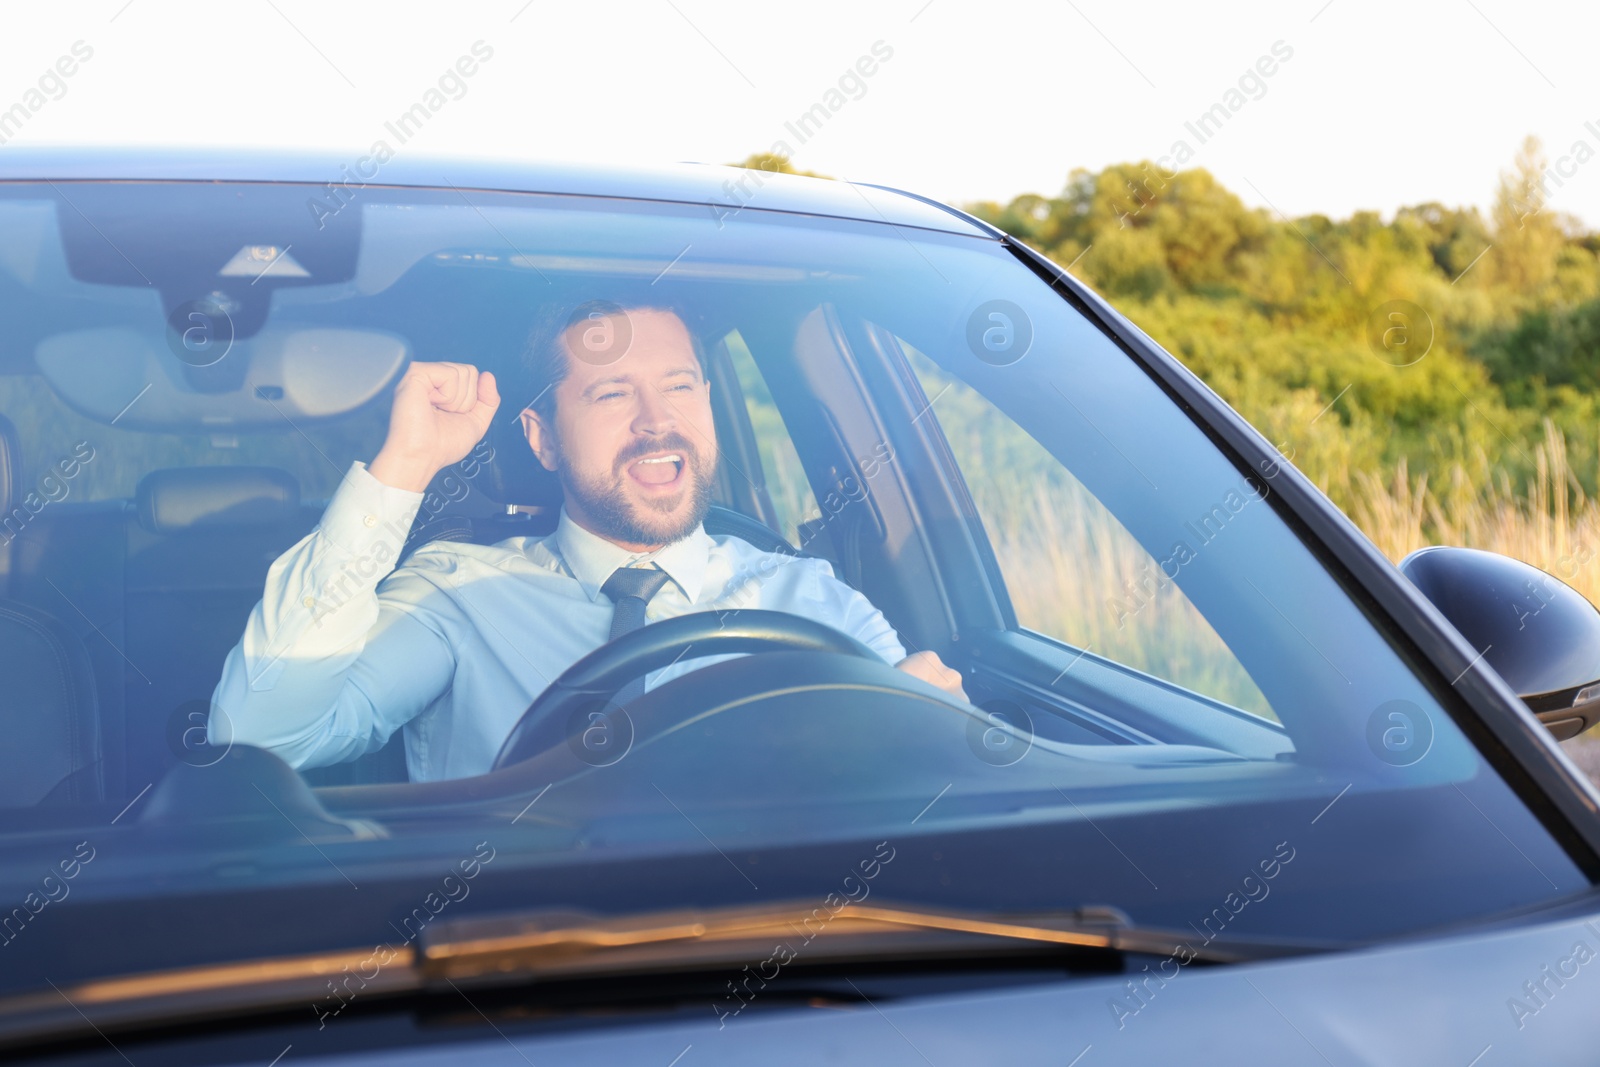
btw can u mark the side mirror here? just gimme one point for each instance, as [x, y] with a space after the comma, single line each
[1540, 634]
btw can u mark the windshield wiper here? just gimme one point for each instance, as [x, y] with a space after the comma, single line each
[540, 946]
[547, 945]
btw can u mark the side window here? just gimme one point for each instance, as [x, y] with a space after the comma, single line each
[785, 477]
[1072, 571]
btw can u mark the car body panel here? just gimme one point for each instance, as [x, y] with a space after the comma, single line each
[724, 190]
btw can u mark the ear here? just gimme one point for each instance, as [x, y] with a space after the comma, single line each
[540, 438]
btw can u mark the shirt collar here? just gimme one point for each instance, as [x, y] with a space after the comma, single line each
[592, 559]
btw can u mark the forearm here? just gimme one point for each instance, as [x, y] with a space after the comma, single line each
[290, 684]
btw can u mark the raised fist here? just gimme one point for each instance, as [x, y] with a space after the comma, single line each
[441, 410]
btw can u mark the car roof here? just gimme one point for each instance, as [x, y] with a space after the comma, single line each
[718, 187]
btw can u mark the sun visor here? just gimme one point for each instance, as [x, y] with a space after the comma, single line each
[132, 378]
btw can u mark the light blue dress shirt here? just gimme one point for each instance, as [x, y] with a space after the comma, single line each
[344, 648]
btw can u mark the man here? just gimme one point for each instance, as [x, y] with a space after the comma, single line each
[344, 649]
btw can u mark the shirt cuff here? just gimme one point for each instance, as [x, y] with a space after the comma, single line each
[365, 513]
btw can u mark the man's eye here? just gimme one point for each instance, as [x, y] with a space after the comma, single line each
[613, 395]
[683, 388]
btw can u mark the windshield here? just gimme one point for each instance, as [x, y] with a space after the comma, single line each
[247, 674]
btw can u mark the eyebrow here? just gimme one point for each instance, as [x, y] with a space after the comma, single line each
[592, 386]
[615, 379]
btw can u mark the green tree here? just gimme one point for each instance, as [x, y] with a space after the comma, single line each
[777, 164]
[1528, 237]
[1453, 237]
[1274, 314]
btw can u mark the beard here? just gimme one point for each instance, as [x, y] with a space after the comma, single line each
[653, 522]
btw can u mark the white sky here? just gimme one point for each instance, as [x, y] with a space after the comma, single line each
[1382, 104]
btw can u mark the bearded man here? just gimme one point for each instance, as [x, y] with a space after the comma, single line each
[347, 645]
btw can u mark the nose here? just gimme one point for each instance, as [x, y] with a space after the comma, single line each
[656, 414]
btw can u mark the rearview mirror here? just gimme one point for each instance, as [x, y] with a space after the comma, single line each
[1540, 634]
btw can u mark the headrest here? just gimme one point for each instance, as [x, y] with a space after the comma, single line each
[519, 478]
[181, 498]
[10, 465]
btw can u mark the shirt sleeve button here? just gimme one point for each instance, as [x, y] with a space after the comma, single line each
[370, 520]
[310, 601]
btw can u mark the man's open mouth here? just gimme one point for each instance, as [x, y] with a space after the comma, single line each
[659, 469]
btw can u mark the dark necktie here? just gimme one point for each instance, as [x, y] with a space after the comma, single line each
[630, 589]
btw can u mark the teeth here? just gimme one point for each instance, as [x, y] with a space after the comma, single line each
[664, 459]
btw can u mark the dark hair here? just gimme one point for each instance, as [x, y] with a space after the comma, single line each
[546, 361]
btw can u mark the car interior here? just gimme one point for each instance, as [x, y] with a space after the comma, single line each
[93, 589]
[167, 577]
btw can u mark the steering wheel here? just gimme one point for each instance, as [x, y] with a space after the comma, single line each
[592, 681]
